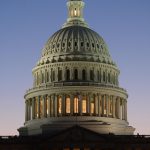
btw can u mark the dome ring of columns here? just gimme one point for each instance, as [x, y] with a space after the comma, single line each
[76, 104]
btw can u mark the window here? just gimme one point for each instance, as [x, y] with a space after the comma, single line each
[68, 74]
[76, 103]
[82, 44]
[42, 74]
[87, 44]
[109, 77]
[47, 76]
[84, 104]
[93, 45]
[98, 75]
[92, 105]
[91, 75]
[59, 75]
[75, 44]
[67, 104]
[83, 75]
[76, 74]
[53, 75]
[104, 76]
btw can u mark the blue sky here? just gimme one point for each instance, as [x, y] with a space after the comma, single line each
[26, 25]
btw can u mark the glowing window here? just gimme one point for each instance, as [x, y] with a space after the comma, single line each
[84, 105]
[75, 12]
[92, 105]
[68, 105]
[76, 103]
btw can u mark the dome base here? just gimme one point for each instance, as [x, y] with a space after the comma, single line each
[100, 125]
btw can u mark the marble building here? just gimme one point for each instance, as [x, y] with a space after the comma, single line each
[76, 83]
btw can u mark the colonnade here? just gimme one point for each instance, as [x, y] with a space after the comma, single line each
[76, 104]
[76, 73]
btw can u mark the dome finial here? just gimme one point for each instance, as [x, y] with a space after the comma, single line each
[75, 13]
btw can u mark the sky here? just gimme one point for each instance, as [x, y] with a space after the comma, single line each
[26, 25]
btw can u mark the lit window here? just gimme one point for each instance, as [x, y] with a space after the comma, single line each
[75, 12]
[76, 102]
[68, 105]
[92, 105]
[84, 105]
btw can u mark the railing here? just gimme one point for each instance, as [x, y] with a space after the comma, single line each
[61, 84]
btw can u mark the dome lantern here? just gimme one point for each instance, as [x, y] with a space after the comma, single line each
[75, 13]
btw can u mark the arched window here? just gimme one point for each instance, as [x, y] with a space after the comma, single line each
[59, 75]
[67, 105]
[83, 75]
[91, 75]
[67, 74]
[76, 74]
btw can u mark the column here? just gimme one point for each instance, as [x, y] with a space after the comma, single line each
[44, 106]
[80, 104]
[29, 110]
[71, 73]
[96, 105]
[107, 105]
[38, 107]
[26, 111]
[64, 74]
[118, 108]
[103, 104]
[80, 74]
[55, 105]
[99, 111]
[33, 108]
[122, 109]
[71, 104]
[126, 110]
[114, 103]
[63, 105]
[87, 105]
[49, 106]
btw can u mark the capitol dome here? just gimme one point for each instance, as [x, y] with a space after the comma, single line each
[75, 43]
[75, 83]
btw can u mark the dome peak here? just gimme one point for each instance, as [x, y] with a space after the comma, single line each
[75, 13]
